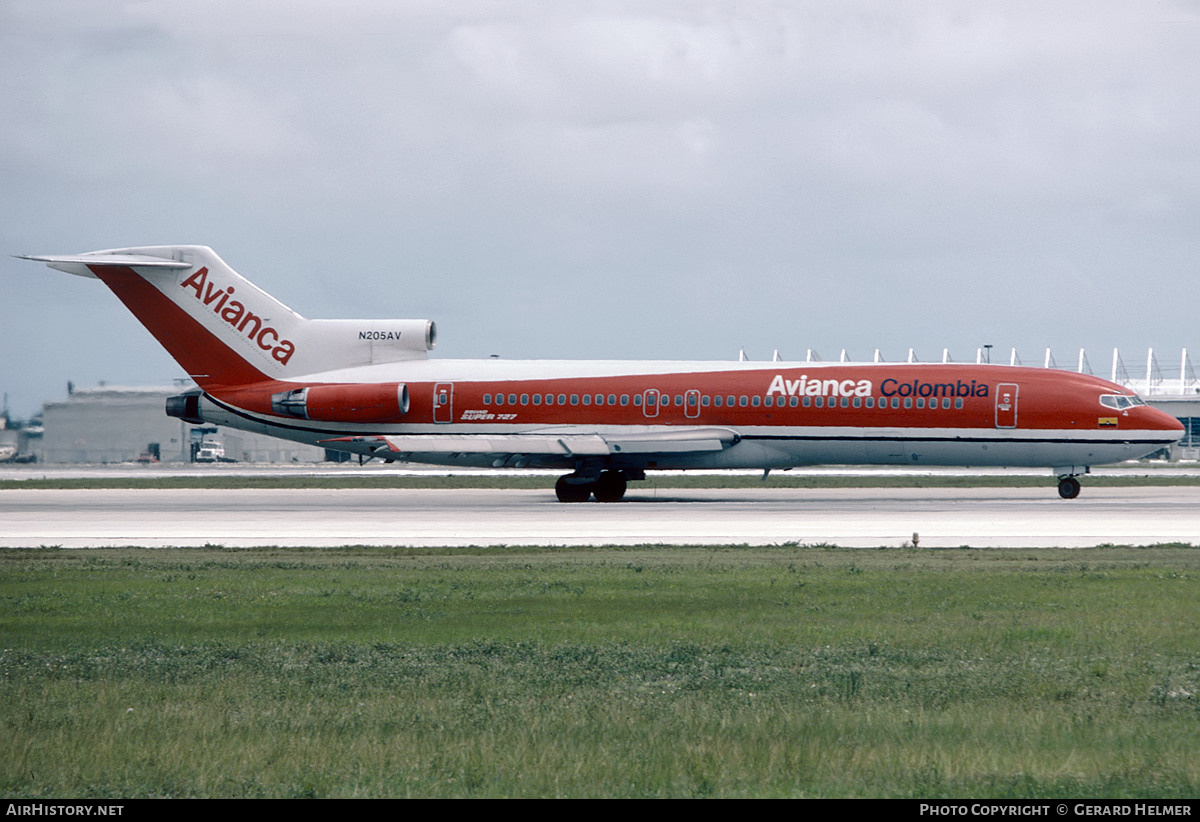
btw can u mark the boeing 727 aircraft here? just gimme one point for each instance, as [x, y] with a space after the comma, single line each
[368, 387]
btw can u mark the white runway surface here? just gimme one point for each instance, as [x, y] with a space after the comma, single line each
[866, 517]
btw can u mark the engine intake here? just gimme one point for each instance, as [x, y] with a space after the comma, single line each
[186, 407]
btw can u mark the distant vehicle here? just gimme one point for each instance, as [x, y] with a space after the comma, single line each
[7, 452]
[368, 387]
[210, 451]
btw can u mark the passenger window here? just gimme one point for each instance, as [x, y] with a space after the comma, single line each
[819, 402]
[562, 399]
[487, 399]
[574, 399]
[743, 401]
[624, 399]
[718, 400]
[612, 399]
[958, 402]
[512, 399]
[587, 399]
[794, 401]
[524, 399]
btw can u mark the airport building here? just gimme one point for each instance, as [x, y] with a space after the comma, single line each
[112, 424]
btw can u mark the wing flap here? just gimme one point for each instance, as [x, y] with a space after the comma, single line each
[684, 440]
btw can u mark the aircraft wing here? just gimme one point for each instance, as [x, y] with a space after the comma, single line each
[549, 443]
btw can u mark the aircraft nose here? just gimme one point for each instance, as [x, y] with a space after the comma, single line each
[1162, 421]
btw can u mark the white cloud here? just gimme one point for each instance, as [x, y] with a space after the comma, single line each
[765, 172]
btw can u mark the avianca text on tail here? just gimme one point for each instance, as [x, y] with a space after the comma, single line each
[368, 387]
[238, 316]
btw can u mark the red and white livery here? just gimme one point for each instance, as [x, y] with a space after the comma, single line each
[370, 388]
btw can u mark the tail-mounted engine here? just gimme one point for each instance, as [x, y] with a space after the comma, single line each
[186, 407]
[352, 402]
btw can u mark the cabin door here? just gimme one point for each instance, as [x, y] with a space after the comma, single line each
[1006, 405]
[443, 402]
[650, 402]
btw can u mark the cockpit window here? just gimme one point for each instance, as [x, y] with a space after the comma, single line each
[1121, 401]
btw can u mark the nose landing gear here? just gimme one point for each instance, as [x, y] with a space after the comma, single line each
[1068, 487]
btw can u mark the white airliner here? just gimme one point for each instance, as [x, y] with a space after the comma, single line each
[368, 387]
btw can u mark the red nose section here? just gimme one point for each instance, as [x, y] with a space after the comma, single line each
[1157, 420]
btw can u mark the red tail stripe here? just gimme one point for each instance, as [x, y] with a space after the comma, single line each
[209, 360]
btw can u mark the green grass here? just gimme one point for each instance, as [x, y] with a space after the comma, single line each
[790, 671]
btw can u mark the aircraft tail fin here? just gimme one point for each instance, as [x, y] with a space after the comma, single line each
[224, 330]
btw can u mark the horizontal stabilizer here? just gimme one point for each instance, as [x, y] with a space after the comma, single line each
[79, 263]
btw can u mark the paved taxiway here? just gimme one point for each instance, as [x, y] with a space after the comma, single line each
[856, 517]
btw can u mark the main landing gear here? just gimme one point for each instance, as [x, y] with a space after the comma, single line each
[609, 486]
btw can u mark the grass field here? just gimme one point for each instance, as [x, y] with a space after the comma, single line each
[789, 671]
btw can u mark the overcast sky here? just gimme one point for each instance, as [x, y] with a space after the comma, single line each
[598, 180]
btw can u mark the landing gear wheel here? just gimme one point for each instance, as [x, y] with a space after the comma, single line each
[567, 491]
[610, 487]
[1068, 487]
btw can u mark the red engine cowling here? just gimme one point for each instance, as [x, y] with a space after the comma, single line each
[344, 402]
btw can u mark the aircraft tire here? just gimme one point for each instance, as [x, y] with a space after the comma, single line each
[572, 491]
[1068, 488]
[610, 487]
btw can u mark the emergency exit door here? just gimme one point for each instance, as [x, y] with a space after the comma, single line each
[1006, 405]
[443, 402]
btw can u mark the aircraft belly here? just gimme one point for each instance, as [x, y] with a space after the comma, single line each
[786, 453]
